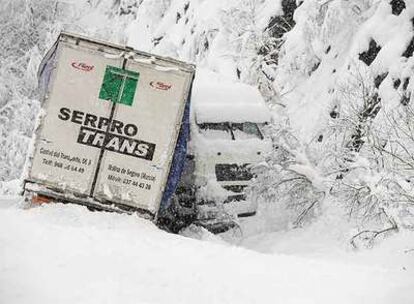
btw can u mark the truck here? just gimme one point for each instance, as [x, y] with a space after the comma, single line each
[127, 131]
[113, 129]
[226, 141]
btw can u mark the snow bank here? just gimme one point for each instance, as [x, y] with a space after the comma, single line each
[64, 254]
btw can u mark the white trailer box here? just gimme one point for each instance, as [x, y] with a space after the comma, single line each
[110, 125]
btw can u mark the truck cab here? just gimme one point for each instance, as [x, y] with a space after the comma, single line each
[226, 140]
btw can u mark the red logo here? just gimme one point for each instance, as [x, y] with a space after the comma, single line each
[160, 85]
[82, 66]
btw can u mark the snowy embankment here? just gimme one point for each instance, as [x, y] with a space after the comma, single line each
[64, 254]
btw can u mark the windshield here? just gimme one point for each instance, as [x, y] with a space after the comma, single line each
[246, 130]
[234, 131]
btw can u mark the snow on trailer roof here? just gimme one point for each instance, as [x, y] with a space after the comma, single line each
[228, 101]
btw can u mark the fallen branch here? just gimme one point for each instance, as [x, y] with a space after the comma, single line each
[306, 211]
[369, 236]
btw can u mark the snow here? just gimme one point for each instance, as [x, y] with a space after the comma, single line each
[346, 28]
[217, 99]
[64, 254]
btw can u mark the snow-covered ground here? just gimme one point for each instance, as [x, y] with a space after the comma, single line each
[65, 254]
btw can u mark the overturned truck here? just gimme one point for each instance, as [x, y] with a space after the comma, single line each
[113, 131]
